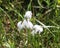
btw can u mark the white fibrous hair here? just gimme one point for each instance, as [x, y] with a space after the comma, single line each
[30, 25]
[27, 24]
[28, 15]
[37, 29]
[19, 25]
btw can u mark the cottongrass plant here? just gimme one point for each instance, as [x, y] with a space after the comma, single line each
[31, 30]
[27, 36]
[26, 23]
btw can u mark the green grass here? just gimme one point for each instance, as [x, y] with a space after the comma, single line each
[46, 11]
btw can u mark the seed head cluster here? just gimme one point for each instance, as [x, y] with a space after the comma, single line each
[26, 23]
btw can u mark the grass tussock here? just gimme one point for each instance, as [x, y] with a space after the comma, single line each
[46, 11]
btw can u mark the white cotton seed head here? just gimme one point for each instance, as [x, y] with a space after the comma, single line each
[27, 24]
[30, 25]
[19, 25]
[37, 28]
[24, 24]
[28, 15]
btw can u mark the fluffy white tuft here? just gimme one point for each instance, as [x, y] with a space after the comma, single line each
[37, 28]
[19, 25]
[28, 15]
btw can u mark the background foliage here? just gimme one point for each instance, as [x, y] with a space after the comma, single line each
[46, 11]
